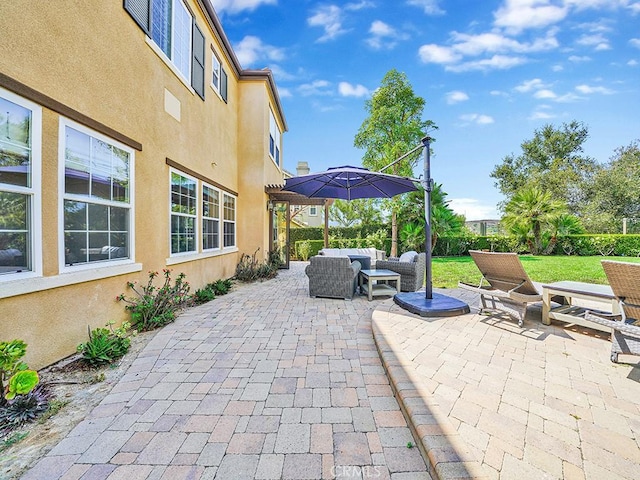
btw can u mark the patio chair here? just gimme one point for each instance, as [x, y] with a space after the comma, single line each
[624, 279]
[411, 271]
[334, 277]
[504, 284]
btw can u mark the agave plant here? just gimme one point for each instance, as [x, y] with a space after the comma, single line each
[23, 409]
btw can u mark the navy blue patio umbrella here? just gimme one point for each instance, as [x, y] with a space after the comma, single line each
[349, 183]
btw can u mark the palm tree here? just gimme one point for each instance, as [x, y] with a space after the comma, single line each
[534, 210]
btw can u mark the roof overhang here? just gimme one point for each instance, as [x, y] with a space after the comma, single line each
[276, 194]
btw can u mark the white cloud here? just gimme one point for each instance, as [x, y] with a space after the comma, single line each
[436, 54]
[473, 209]
[347, 90]
[465, 45]
[598, 41]
[236, 6]
[329, 18]
[251, 49]
[568, 98]
[529, 85]
[545, 93]
[477, 118]
[383, 35]
[579, 59]
[541, 115]
[518, 15]
[587, 90]
[634, 7]
[632, 63]
[359, 6]
[497, 62]
[430, 7]
[557, 68]
[317, 87]
[456, 96]
[635, 42]
[284, 92]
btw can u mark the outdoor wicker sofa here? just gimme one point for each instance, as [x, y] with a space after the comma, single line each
[335, 277]
[624, 279]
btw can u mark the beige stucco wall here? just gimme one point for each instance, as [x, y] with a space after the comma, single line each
[92, 57]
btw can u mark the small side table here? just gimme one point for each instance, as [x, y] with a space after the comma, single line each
[575, 314]
[367, 285]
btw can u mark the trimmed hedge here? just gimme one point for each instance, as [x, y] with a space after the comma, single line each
[317, 233]
[316, 245]
[581, 245]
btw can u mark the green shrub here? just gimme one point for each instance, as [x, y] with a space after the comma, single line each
[204, 295]
[105, 345]
[10, 363]
[154, 307]
[303, 250]
[22, 383]
[250, 269]
[222, 287]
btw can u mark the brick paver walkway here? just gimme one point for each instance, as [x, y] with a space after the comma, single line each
[262, 383]
[543, 402]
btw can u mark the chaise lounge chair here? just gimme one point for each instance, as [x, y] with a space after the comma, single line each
[509, 287]
[624, 279]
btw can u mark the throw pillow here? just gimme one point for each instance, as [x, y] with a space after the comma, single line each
[408, 256]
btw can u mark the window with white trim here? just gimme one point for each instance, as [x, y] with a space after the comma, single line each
[210, 218]
[171, 31]
[184, 211]
[172, 28]
[229, 220]
[215, 72]
[96, 205]
[313, 211]
[20, 156]
[274, 139]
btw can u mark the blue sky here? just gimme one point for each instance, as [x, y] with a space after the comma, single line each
[491, 72]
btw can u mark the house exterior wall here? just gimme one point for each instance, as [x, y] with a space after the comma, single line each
[92, 59]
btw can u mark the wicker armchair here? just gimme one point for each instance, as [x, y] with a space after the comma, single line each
[624, 279]
[411, 273]
[334, 277]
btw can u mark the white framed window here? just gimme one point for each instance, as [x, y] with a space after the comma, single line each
[96, 206]
[274, 139]
[184, 213]
[171, 29]
[313, 211]
[229, 220]
[215, 72]
[20, 189]
[210, 218]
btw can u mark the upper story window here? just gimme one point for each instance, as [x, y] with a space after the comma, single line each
[20, 132]
[173, 29]
[96, 205]
[219, 78]
[313, 211]
[274, 139]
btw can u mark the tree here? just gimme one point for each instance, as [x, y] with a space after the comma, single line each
[552, 160]
[530, 213]
[394, 127]
[614, 193]
[347, 213]
[411, 218]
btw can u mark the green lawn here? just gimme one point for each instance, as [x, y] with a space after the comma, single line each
[448, 271]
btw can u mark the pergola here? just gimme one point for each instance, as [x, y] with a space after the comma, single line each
[276, 194]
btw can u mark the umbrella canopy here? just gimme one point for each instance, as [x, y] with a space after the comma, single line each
[349, 183]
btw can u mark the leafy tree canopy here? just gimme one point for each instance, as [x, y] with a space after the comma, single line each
[552, 160]
[347, 213]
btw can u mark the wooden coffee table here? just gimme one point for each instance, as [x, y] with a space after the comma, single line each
[368, 281]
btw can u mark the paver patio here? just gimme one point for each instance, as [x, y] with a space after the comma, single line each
[267, 382]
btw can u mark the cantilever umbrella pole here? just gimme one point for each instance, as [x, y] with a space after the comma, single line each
[428, 185]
